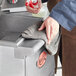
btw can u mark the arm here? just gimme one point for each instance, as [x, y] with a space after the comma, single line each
[65, 14]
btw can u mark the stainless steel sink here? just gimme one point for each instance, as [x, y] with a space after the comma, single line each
[16, 22]
[12, 25]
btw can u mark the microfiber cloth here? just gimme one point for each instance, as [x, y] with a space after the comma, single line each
[33, 33]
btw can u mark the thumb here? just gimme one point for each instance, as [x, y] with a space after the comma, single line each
[42, 27]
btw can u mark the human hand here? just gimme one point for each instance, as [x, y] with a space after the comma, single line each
[52, 28]
[34, 10]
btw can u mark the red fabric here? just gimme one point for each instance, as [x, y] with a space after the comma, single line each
[42, 59]
[12, 1]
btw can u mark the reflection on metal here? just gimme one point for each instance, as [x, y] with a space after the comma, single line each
[20, 41]
[12, 1]
[19, 6]
[11, 27]
[20, 3]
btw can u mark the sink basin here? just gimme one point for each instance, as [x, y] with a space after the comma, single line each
[12, 25]
[16, 22]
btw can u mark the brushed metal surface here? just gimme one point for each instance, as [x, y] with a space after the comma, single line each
[27, 48]
[16, 22]
[12, 25]
[5, 4]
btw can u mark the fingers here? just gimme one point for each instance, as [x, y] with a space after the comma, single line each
[42, 27]
[52, 28]
[51, 34]
[32, 10]
[48, 29]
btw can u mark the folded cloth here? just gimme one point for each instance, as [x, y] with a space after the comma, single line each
[33, 33]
